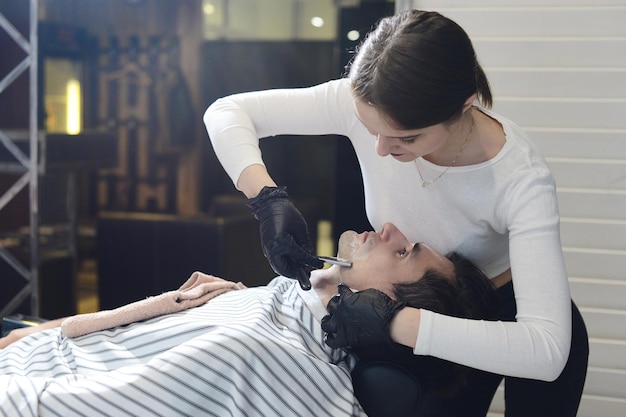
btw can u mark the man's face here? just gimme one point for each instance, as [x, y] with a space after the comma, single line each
[380, 260]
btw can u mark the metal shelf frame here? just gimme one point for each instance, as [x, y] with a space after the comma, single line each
[29, 163]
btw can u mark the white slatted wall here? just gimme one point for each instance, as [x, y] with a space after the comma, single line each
[558, 68]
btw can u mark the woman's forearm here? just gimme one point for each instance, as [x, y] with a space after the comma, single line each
[253, 179]
[405, 326]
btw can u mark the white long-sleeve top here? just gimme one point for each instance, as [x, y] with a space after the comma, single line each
[500, 213]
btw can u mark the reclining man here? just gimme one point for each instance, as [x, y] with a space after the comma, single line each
[257, 351]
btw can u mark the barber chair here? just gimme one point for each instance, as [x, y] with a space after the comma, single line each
[389, 380]
[386, 389]
[392, 381]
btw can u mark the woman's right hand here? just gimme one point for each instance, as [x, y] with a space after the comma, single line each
[284, 235]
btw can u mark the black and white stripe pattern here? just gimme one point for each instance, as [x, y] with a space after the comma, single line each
[255, 352]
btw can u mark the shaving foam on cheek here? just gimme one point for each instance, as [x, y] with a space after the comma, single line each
[351, 249]
[347, 244]
[362, 251]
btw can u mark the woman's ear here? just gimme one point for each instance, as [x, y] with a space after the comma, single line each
[469, 102]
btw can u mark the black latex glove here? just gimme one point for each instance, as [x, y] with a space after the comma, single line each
[359, 319]
[284, 235]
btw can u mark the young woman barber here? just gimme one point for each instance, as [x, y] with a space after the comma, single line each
[440, 165]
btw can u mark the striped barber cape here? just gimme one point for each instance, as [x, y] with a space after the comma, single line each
[253, 352]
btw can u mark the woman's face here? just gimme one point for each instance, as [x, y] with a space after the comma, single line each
[403, 145]
[380, 260]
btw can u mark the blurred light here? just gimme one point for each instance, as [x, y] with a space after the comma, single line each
[208, 8]
[72, 89]
[317, 21]
[353, 35]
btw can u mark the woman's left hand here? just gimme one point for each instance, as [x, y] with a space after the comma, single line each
[359, 319]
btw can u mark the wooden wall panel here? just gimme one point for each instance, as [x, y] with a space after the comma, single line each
[591, 263]
[597, 204]
[589, 173]
[580, 143]
[582, 233]
[558, 69]
[549, 52]
[544, 22]
[564, 113]
[605, 323]
[558, 83]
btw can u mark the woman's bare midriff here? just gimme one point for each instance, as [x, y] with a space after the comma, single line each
[503, 278]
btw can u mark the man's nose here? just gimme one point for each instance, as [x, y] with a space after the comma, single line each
[389, 232]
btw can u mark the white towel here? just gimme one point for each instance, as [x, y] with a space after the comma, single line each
[197, 290]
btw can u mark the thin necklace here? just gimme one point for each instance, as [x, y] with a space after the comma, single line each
[426, 183]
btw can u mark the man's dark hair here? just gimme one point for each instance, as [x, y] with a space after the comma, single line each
[467, 294]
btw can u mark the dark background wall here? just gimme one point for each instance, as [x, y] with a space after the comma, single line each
[210, 69]
[172, 174]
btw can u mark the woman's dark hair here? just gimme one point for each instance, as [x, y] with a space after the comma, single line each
[468, 294]
[418, 68]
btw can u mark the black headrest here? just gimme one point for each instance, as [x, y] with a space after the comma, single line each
[386, 389]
